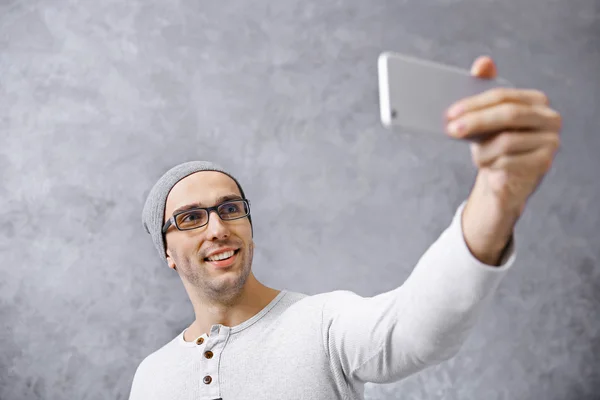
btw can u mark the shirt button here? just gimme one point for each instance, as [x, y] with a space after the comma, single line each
[208, 354]
[199, 340]
[207, 379]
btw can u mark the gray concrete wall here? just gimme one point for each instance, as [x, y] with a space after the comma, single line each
[99, 98]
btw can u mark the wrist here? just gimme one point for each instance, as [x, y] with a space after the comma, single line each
[487, 225]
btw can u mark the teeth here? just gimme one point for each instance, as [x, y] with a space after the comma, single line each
[221, 256]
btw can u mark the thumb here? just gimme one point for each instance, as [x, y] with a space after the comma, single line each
[484, 67]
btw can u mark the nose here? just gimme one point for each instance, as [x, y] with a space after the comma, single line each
[215, 228]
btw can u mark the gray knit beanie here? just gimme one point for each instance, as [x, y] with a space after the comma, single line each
[154, 209]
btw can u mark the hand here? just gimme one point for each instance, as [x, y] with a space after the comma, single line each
[519, 142]
[512, 162]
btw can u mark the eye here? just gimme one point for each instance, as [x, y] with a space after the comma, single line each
[191, 218]
[232, 210]
[229, 208]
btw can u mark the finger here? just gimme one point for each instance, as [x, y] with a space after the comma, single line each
[509, 143]
[534, 162]
[484, 67]
[504, 117]
[494, 97]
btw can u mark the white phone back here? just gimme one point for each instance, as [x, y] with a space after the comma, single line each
[415, 94]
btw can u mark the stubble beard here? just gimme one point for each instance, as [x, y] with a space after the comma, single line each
[219, 289]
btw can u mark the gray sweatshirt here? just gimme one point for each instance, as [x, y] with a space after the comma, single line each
[327, 346]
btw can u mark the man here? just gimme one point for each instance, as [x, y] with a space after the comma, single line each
[250, 341]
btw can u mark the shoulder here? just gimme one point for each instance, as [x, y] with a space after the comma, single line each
[336, 296]
[164, 373]
[160, 359]
[327, 300]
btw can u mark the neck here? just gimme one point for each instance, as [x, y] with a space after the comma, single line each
[230, 311]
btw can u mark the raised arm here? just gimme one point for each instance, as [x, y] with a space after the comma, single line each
[428, 318]
[423, 322]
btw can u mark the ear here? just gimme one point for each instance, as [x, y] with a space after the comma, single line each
[170, 260]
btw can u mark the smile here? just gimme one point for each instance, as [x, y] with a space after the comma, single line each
[222, 256]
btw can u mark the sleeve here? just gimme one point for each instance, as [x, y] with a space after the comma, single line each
[139, 386]
[423, 322]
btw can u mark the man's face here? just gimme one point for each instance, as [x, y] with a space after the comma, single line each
[188, 251]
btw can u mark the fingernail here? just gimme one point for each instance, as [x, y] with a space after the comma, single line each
[456, 127]
[454, 111]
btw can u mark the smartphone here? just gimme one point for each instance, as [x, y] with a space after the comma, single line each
[415, 94]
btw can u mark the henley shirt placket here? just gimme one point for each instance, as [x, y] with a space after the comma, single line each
[210, 349]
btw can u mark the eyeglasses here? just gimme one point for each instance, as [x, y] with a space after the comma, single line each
[198, 217]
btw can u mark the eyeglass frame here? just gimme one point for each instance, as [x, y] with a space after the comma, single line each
[172, 221]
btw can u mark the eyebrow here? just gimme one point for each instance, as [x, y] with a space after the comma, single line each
[220, 200]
